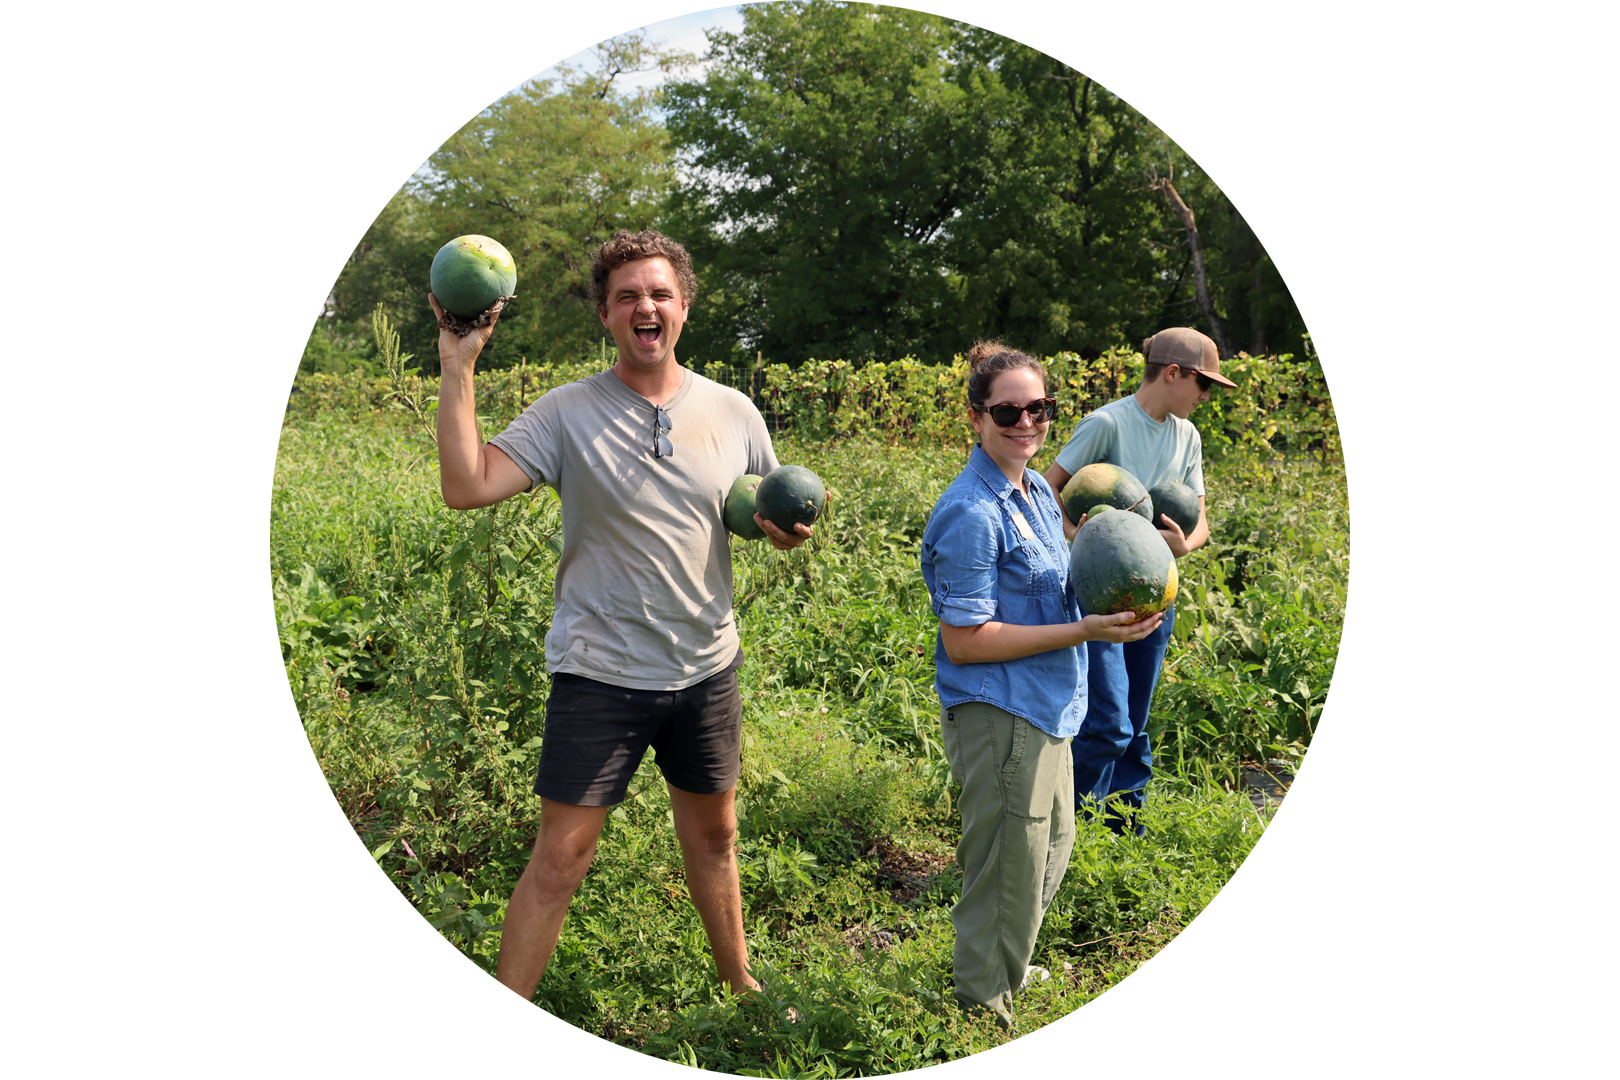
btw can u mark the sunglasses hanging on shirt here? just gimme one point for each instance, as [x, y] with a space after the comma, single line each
[662, 426]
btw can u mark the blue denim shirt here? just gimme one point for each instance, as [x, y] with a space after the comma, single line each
[980, 569]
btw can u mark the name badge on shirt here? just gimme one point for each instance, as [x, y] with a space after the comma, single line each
[1023, 526]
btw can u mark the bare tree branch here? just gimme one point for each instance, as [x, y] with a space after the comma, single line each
[1200, 274]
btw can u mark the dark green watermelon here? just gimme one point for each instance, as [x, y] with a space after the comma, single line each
[790, 495]
[1119, 562]
[1098, 509]
[1101, 482]
[470, 273]
[1176, 499]
[739, 511]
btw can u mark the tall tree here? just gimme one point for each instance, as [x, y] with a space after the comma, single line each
[549, 171]
[870, 182]
[827, 154]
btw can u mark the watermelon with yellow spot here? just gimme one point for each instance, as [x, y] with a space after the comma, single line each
[1119, 562]
[1101, 482]
[470, 273]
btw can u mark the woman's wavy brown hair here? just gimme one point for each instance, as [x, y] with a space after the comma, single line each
[987, 359]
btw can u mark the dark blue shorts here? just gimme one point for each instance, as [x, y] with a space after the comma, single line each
[596, 735]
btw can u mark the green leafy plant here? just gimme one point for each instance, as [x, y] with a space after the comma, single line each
[406, 392]
[413, 637]
[1279, 409]
[1257, 625]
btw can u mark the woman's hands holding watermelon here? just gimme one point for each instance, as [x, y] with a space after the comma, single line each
[1119, 628]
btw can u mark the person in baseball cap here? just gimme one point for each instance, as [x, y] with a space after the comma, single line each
[1188, 350]
[1149, 435]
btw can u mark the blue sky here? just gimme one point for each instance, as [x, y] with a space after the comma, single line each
[684, 32]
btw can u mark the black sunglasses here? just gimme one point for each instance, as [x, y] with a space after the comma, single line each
[1204, 381]
[662, 426]
[1040, 411]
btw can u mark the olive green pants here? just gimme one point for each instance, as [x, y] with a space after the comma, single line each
[1017, 834]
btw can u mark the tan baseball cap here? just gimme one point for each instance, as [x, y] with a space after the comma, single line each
[1188, 350]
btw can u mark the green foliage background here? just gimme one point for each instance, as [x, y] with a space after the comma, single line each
[413, 639]
[549, 170]
[856, 182]
[871, 183]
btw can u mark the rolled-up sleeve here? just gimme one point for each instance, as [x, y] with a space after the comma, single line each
[961, 550]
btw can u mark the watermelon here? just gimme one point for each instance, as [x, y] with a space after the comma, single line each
[1176, 499]
[1119, 562]
[470, 273]
[790, 495]
[1100, 508]
[1101, 482]
[739, 512]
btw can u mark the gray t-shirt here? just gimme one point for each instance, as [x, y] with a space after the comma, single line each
[643, 592]
[1122, 433]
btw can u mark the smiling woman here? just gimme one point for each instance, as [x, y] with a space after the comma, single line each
[1010, 676]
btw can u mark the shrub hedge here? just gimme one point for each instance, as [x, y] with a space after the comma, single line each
[1280, 405]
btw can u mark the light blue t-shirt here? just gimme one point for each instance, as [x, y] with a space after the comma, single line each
[1122, 433]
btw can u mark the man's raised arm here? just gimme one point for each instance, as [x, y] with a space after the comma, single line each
[471, 474]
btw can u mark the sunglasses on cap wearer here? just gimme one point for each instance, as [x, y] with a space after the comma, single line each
[1204, 381]
[1040, 411]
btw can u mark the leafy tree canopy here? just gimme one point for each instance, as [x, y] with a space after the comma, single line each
[550, 171]
[854, 182]
[871, 182]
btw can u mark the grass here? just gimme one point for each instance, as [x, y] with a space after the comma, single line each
[413, 639]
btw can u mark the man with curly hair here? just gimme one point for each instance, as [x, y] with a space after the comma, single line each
[643, 648]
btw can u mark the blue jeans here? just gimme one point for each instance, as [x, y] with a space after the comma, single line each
[1112, 755]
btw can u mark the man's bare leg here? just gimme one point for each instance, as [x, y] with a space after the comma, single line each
[534, 917]
[706, 826]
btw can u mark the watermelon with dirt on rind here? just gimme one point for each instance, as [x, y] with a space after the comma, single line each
[470, 273]
[1119, 562]
[739, 509]
[790, 495]
[1176, 499]
[1101, 482]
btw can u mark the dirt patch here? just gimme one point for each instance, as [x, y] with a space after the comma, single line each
[1266, 783]
[909, 872]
